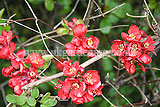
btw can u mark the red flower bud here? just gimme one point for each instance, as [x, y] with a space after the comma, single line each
[79, 30]
[145, 58]
[7, 71]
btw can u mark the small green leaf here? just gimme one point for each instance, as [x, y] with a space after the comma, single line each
[42, 105]
[11, 98]
[104, 24]
[50, 102]
[79, 21]
[31, 101]
[1, 12]
[25, 105]
[152, 4]
[62, 30]
[21, 99]
[7, 28]
[47, 57]
[35, 92]
[49, 4]
[45, 96]
[45, 66]
[26, 65]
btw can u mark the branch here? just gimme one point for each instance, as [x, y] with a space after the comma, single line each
[85, 64]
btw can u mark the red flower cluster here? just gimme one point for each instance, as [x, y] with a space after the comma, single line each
[80, 44]
[78, 86]
[135, 51]
[23, 70]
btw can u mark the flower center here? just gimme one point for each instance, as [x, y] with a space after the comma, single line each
[90, 42]
[121, 47]
[17, 87]
[36, 61]
[89, 79]
[72, 70]
[134, 48]
[132, 36]
[146, 45]
[32, 73]
[75, 85]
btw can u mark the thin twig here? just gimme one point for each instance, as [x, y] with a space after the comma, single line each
[87, 10]
[145, 15]
[75, 6]
[108, 100]
[93, 17]
[119, 93]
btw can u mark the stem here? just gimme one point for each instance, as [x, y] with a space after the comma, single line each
[108, 100]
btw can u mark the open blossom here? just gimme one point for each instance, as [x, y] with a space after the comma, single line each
[145, 58]
[32, 73]
[134, 49]
[80, 30]
[70, 69]
[91, 77]
[134, 34]
[147, 44]
[35, 59]
[7, 71]
[70, 49]
[91, 42]
[118, 48]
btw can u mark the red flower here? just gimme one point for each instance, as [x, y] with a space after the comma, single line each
[65, 87]
[70, 49]
[147, 44]
[134, 49]
[130, 67]
[118, 47]
[77, 92]
[81, 50]
[91, 77]
[32, 73]
[70, 69]
[134, 34]
[18, 90]
[76, 41]
[35, 60]
[80, 30]
[145, 58]
[96, 89]
[91, 42]
[143, 33]
[91, 54]
[7, 71]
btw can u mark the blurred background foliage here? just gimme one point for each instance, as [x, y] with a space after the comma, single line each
[52, 11]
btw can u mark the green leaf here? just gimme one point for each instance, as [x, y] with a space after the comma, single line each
[49, 4]
[152, 4]
[1, 12]
[45, 66]
[31, 101]
[26, 65]
[47, 57]
[42, 105]
[25, 105]
[11, 98]
[79, 21]
[105, 23]
[113, 18]
[107, 64]
[21, 99]
[45, 96]
[50, 102]
[7, 28]
[35, 92]
[62, 30]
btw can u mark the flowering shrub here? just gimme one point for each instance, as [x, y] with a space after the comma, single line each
[135, 51]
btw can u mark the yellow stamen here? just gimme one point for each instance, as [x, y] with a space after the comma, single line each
[146, 45]
[90, 42]
[132, 36]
